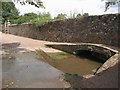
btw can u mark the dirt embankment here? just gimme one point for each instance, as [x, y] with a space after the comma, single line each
[101, 29]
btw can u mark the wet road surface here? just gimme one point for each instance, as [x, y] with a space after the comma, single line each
[25, 71]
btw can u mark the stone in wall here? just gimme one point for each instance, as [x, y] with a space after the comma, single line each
[101, 29]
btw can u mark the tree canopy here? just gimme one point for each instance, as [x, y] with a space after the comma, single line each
[109, 3]
[39, 3]
[33, 18]
[36, 3]
[25, 18]
[61, 16]
[78, 15]
[9, 11]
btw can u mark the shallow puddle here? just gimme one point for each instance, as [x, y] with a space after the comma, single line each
[25, 71]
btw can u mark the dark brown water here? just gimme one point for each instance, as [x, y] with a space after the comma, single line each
[25, 71]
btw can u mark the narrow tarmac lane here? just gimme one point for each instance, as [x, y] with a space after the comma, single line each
[26, 43]
[26, 71]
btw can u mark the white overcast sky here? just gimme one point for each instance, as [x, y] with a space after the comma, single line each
[93, 7]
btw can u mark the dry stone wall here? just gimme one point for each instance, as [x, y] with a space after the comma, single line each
[101, 29]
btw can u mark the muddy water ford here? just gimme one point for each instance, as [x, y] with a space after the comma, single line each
[25, 70]
[69, 63]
